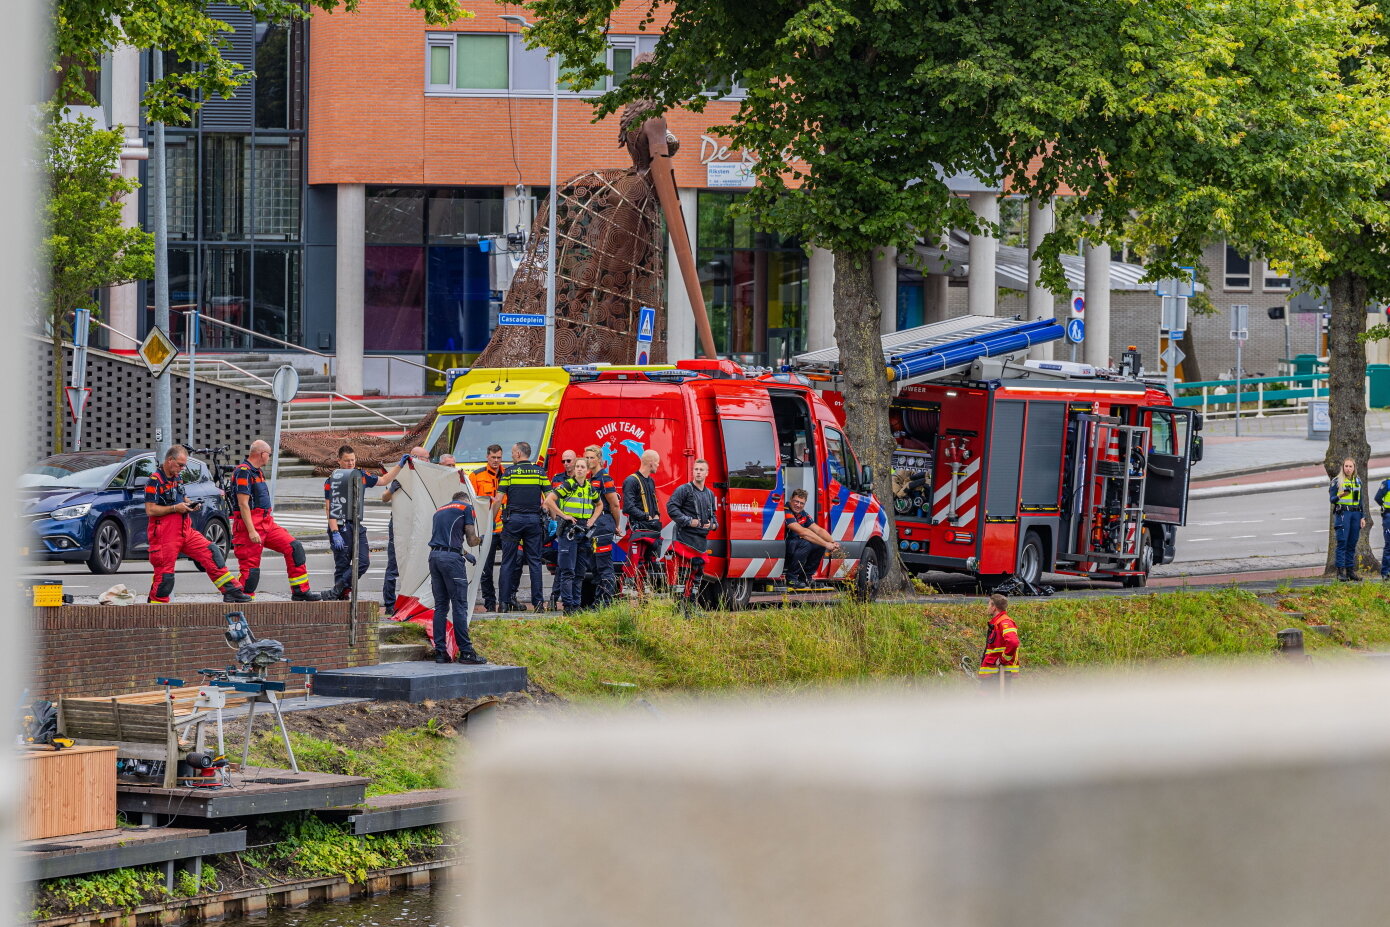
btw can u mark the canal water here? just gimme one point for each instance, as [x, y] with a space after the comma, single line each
[435, 906]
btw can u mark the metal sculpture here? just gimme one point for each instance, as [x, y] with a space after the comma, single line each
[608, 260]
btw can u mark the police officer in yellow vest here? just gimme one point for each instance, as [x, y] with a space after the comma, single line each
[575, 505]
[1348, 509]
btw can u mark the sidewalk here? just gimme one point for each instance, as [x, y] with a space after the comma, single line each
[1276, 442]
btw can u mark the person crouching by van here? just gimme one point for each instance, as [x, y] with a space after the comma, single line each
[691, 508]
[807, 542]
[575, 505]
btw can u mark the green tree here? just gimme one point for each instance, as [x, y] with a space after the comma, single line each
[858, 108]
[84, 30]
[84, 245]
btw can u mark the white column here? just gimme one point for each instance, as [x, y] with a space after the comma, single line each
[886, 287]
[125, 111]
[1096, 348]
[984, 251]
[352, 243]
[1041, 304]
[820, 324]
[936, 297]
[680, 315]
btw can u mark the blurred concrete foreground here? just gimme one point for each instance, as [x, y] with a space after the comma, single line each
[1240, 799]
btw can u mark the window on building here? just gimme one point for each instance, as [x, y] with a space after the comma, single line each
[279, 49]
[468, 61]
[226, 187]
[181, 172]
[480, 62]
[456, 214]
[275, 293]
[275, 192]
[395, 216]
[228, 289]
[1273, 280]
[1237, 270]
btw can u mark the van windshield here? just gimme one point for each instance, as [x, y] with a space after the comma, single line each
[467, 436]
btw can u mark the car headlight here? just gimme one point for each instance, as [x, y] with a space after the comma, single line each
[71, 511]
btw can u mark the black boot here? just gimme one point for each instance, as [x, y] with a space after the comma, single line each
[1353, 575]
[1341, 575]
[304, 595]
[470, 658]
[442, 656]
[234, 595]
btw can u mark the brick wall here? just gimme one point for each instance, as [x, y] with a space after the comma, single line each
[372, 123]
[107, 650]
[120, 412]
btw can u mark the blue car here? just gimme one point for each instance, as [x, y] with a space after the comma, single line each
[89, 507]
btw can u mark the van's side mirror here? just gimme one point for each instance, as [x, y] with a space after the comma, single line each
[1197, 421]
[1196, 448]
[866, 478]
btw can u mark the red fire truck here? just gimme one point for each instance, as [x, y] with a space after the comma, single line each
[1006, 468]
[764, 436]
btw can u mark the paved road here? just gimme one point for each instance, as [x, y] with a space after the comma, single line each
[1260, 531]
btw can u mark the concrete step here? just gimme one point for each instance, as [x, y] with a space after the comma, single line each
[401, 653]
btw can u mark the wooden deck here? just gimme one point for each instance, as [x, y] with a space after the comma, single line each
[254, 791]
[123, 846]
[384, 813]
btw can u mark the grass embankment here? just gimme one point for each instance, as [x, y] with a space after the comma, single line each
[795, 646]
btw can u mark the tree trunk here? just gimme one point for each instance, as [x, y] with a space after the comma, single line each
[1191, 369]
[59, 381]
[857, 334]
[1347, 400]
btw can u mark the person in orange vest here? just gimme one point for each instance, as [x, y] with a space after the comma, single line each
[485, 480]
[1001, 643]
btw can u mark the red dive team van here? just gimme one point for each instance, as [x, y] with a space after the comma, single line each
[763, 436]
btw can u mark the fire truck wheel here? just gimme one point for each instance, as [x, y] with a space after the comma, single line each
[1146, 564]
[735, 594]
[1030, 559]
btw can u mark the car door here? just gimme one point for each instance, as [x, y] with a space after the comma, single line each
[1170, 465]
[132, 504]
[752, 487]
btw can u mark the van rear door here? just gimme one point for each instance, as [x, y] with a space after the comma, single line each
[752, 519]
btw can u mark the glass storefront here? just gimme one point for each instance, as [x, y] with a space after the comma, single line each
[235, 200]
[755, 284]
[427, 287]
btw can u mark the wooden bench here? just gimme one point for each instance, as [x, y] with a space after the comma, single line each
[142, 731]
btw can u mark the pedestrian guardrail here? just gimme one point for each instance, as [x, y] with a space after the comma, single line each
[1218, 397]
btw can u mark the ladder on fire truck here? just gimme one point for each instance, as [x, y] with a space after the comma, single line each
[932, 351]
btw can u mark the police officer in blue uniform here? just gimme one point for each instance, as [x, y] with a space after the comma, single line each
[453, 527]
[1348, 510]
[1382, 495]
[524, 484]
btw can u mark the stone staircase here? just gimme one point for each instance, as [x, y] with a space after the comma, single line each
[313, 413]
[401, 642]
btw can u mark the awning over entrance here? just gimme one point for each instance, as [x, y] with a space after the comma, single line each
[934, 350]
[1011, 266]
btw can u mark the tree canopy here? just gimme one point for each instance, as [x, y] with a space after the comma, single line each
[84, 30]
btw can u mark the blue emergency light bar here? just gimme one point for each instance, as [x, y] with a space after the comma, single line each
[967, 350]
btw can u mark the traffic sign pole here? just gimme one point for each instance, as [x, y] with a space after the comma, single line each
[283, 387]
[192, 321]
[1240, 330]
[81, 327]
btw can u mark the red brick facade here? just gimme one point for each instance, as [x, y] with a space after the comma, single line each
[371, 122]
[106, 650]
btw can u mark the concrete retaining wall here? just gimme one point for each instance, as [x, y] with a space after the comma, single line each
[111, 650]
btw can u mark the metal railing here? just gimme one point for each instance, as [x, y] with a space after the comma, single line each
[333, 397]
[1218, 397]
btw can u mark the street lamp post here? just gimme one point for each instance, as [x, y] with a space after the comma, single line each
[521, 22]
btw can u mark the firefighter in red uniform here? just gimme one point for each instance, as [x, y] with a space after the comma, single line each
[171, 533]
[1001, 644]
[254, 528]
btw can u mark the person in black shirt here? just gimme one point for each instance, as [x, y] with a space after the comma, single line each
[643, 539]
[807, 542]
[453, 526]
[524, 484]
[691, 508]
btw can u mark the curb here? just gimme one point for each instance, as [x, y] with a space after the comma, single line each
[1307, 482]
